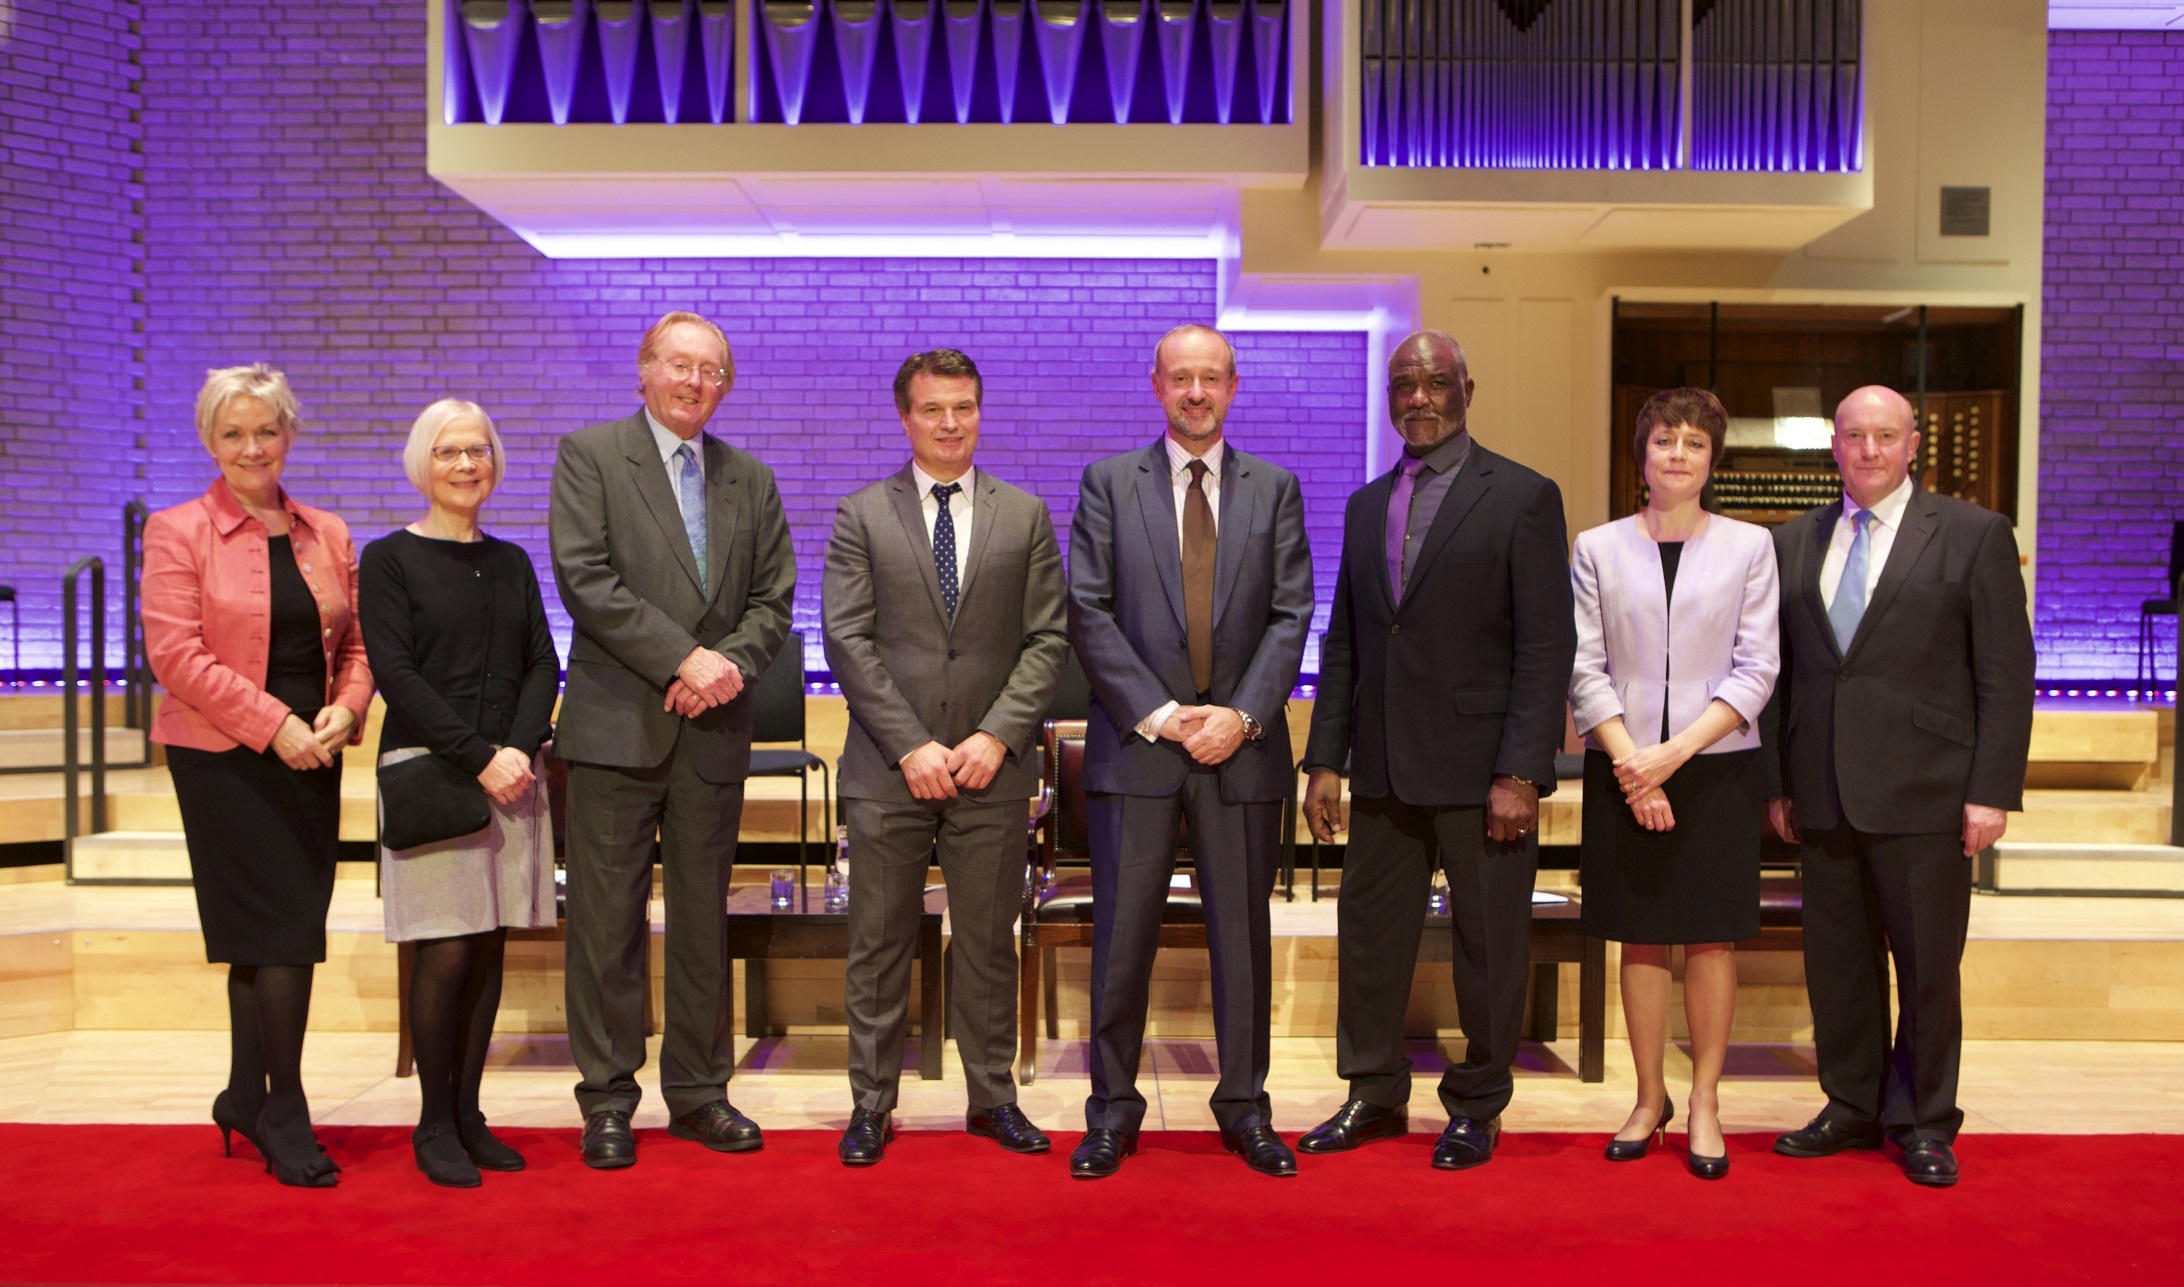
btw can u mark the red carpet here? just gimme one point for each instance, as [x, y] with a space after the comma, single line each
[134, 1204]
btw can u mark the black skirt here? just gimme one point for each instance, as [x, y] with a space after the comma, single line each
[1695, 883]
[262, 839]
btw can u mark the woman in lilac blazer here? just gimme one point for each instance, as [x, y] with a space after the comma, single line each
[1676, 656]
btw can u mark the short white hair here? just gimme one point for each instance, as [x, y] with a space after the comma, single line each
[434, 420]
[225, 384]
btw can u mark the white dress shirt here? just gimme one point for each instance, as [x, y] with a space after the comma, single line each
[1179, 477]
[959, 509]
[1880, 539]
[669, 444]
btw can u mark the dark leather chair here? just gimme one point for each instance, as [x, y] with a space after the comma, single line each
[2147, 677]
[777, 715]
[15, 629]
[1058, 893]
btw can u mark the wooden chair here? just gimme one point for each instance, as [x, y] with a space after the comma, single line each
[1058, 893]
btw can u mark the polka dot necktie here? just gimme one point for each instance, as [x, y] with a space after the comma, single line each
[944, 545]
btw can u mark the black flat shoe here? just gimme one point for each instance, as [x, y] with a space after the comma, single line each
[440, 1156]
[609, 1144]
[1825, 1137]
[865, 1142]
[719, 1127]
[232, 1122]
[1100, 1153]
[293, 1154]
[1632, 1150]
[1465, 1143]
[1261, 1149]
[1929, 1162]
[1006, 1125]
[485, 1150]
[1354, 1124]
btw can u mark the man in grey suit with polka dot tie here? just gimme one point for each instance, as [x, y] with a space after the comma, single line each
[944, 624]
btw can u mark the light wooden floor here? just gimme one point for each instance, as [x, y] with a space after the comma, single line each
[798, 1083]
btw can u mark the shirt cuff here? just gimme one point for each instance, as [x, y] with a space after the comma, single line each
[1149, 727]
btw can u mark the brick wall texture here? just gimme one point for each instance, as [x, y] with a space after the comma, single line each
[287, 217]
[2112, 348]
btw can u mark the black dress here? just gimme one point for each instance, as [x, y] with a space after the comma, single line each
[262, 837]
[1695, 883]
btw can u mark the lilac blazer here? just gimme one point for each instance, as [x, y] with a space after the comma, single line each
[1635, 651]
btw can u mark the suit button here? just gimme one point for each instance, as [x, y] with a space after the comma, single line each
[951, 654]
[1182, 643]
[1396, 628]
[944, 706]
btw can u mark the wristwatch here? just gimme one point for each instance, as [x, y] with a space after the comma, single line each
[1253, 729]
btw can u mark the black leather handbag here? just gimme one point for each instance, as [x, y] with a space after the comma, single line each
[425, 799]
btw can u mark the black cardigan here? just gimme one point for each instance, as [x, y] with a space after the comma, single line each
[456, 634]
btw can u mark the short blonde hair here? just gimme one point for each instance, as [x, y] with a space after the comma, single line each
[431, 423]
[649, 347]
[225, 384]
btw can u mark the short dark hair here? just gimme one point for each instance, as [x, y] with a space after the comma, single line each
[939, 362]
[1695, 407]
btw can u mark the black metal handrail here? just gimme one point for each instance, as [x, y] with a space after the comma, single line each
[136, 668]
[71, 757]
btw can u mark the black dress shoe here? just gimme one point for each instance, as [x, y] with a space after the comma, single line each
[608, 1143]
[1929, 1162]
[440, 1156]
[1466, 1142]
[1261, 1149]
[1099, 1154]
[1825, 1137]
[719, 1127]
[1006, 1125]
[484, 1148]
[865, 1142]
[1632, 1150]
[1355, 1123]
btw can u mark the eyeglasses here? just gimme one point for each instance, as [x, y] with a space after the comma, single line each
[679, 370]
[480, 453]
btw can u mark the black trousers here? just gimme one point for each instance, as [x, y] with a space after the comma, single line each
[613, 816]
[1380, 915]
[980, 847]
[1236, 848]
[1867, 898]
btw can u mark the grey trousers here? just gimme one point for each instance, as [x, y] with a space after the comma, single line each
[613, 815]
[1379, 919]
[980, 847]
[1236, 848]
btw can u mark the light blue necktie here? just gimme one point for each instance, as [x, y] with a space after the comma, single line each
[1850, 592]
[692, 482]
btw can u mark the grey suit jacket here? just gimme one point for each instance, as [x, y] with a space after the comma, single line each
[912, 676]
[629, 580]
[1126, 619]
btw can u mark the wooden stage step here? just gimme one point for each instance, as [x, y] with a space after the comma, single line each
[2027, 867]
[40, 748]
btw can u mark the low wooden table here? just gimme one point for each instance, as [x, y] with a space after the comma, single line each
[1558, 936]
[758, 933]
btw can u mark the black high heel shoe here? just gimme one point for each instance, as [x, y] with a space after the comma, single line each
[231, 1122]
[1632, 1150]
[293, 1154]
[1706, 1168]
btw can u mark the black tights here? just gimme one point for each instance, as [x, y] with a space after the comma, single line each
[268, 1007]
[455, 990]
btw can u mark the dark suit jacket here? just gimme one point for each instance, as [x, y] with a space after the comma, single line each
[1467, 678]
[1931, 707]
[911, 675]
[629, 580]
[1126, 619]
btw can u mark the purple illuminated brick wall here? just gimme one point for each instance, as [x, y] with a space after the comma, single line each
[71, 299]
[287, 217]
[2112, 351]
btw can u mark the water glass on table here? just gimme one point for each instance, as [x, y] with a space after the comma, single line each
[783, 886]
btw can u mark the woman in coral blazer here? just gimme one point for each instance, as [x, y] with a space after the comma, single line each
[250, 625]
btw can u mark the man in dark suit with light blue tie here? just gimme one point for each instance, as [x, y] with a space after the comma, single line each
[1190, 593]
[1897, 742]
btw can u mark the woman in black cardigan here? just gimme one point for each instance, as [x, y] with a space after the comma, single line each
[456, 629]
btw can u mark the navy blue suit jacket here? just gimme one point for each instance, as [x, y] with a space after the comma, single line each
[1126, 618]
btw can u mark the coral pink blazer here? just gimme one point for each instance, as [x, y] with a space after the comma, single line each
[208, 619]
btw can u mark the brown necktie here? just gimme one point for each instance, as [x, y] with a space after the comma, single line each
[1198, 537]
